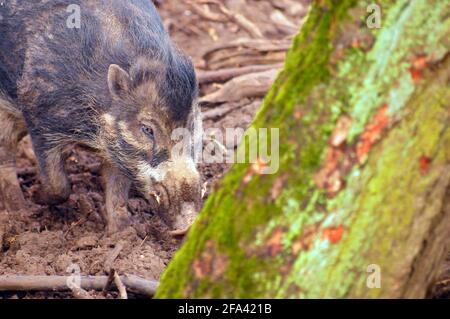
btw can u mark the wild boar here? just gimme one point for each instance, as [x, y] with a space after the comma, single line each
[112, 81]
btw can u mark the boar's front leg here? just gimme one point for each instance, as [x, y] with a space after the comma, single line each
[117, 188]
[55, 187]
[13, 129]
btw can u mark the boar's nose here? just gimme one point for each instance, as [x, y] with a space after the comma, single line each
[183, 185]
[185, 179]
[184, 219]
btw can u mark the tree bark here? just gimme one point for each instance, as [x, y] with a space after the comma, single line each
[364, 178]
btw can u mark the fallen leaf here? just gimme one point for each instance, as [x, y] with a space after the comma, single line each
[372, 133]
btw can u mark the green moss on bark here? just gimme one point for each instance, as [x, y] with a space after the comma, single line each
[303, 243]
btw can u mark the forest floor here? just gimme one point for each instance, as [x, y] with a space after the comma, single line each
[234, 44]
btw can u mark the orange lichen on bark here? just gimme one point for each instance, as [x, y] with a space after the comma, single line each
[337, 160]
[418, 64]
[424, 164]
[278, 186]
[210, 263]
[305, 241]
[333, 234]
[274, 244]
[341, 130]
[372, 133]
[259, 167]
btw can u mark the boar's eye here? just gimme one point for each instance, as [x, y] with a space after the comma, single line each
[148, 131]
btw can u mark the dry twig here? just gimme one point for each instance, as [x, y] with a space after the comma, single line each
[179, 232]
[206, 13]
[120, 286]
[112, 256]
[238, 18]
[217, 113]
[217, 76]
[108, 282]
[59, 283]
[249, 85]
[245, 52]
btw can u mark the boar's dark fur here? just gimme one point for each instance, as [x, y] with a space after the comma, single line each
[55, 78]
[80, 64]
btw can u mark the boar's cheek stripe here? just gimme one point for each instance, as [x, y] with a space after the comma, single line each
[158, 158]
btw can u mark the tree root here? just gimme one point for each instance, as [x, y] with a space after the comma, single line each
[218, 76]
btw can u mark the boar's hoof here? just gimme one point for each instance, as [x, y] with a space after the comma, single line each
[42, 197]
[119, 221]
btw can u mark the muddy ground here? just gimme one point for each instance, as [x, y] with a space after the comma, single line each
[47, 240]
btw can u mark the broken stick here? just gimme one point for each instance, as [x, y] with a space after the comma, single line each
[108, 282]
[59, 283]
[238, 18]
[112, 256]
[120, 286]
[251, 85]
[217, 76]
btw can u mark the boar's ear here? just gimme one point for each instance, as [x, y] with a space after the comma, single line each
[119, 81]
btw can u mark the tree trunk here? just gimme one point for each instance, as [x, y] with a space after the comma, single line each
[364, 181]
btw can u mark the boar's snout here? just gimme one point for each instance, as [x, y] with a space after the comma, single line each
[178, 194]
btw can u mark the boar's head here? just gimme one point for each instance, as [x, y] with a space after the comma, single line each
[151, 104]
